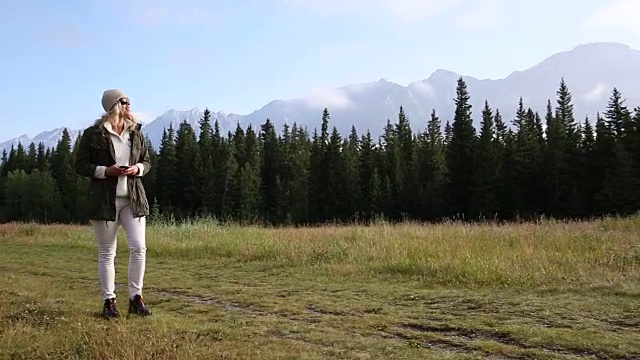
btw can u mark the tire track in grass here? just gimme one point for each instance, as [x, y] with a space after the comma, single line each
[448, 339]
[463, 335]
[252, 311]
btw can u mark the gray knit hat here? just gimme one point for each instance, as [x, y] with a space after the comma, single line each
[110, 97]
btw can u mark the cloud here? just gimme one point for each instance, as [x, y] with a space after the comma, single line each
[327, 97]
[622, 15]
[359, 88]
[400, 10]
[424, 87]
[473, 14]
[68, 36]
[141, 116]
[416, 10]
[328, 7]
[484, 14]
[162, 12]
[596, 93]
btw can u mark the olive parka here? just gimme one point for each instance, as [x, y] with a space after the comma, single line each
[96, 149]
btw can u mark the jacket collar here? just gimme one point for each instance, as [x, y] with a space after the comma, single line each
[130, 125]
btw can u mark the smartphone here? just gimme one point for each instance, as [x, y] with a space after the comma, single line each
[124, 167]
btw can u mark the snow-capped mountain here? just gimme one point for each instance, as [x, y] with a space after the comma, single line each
[590, 71]
[174, 117]
[153, 130]
[49, 138]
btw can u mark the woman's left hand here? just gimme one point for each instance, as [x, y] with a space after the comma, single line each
[131, 170]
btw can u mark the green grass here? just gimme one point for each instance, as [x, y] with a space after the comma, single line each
[549, 290]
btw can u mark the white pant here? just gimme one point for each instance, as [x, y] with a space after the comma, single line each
[106, 238]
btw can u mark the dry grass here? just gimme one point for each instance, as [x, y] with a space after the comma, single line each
[544, 290]
[550, 253]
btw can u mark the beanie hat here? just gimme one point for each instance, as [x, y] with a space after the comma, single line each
[110, 97]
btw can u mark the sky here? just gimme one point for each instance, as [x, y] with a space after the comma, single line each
[235, 56]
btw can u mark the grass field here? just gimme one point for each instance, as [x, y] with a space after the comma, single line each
[549, 290]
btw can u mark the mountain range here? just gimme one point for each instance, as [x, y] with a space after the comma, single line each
[591, 71]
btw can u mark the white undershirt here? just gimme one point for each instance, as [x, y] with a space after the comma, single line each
[122, 147]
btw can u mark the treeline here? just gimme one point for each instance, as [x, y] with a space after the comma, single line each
[515, 166]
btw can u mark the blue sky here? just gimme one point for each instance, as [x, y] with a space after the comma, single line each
[236, 56]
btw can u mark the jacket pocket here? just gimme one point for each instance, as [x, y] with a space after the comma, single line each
[136, 148]
[99, 142]
[139, 203]
[101, 151]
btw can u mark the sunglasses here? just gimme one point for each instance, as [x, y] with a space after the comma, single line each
[125, 101]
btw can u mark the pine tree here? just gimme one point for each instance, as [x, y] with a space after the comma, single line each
[448, 133]
[461, 155]
[227, 182]
[206, 145]
[619, 192]
[432, 170]
[42, 158]
[603, 158]
[167, 173]
[391, 169]
[621, 121]
[251, 177]
[407, 185]
[537, 192]
[564, 112]
[554, 163]
[351, 187]
[223, 168]
[368, 175]
[214, 194]
[9, 163]
[527, 160]
[66, 179]
[318, 201]
[188, 158]
[238, 142]
[269, 171]
[286, 175]
[501, 130]
[561, 156]
[617, 115]
[32, 162]
[564, 115]
[589, 185]
[485, 199]
[20, 158]
[509, 194]
[299, 153]
[334, 171]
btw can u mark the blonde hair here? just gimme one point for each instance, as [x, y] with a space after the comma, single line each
[115, 115]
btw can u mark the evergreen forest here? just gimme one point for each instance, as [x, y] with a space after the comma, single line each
[514, 167]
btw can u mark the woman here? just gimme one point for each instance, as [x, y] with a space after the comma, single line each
[113, 153]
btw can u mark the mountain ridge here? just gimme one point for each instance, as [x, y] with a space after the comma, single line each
[590, 70]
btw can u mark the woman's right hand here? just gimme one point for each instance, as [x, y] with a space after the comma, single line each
[113, 170]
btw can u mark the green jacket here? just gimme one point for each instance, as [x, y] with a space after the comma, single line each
[95, 149]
